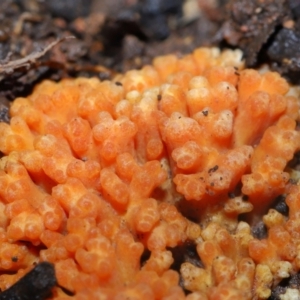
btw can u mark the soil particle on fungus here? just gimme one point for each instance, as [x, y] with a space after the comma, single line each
[231, 195]
[35, 285]
[280, 205]
[213, 169]
[259, 230]
[14, 258]
[292, 282]
[185, 253]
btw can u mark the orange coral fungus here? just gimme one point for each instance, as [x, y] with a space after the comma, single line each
[129, 185]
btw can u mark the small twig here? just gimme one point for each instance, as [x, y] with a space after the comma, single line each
[27, 61]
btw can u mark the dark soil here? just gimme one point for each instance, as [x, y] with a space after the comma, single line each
[110, 36]
[117, 35]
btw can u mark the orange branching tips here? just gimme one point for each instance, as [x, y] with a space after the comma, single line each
[131, 186]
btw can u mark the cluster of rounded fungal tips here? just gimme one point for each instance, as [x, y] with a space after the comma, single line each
[107, 179]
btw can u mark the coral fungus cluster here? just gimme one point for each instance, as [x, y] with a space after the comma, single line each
[113, 181]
